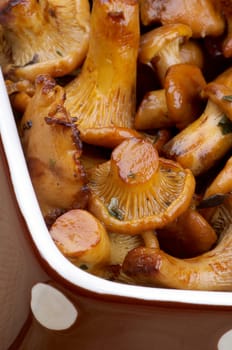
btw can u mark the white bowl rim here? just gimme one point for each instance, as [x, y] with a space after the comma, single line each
[47, 249]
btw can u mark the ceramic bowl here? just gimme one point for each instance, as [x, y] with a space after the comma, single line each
[109, 315]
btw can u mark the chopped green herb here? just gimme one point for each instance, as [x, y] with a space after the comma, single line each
[52, 163]
[213, 201]
[59, 53]
[83, 267]
[225, 124]
[27, 125]
[114, 210]
[131, 175]
[227, 98]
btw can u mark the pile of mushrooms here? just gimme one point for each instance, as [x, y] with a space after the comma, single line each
[124, 110]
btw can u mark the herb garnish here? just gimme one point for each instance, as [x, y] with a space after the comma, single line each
[114, 210]
[52, 163]
[131, 175]
[59, 53]
[83, 267]
[227, 98]
[27, 125]
[225, 124]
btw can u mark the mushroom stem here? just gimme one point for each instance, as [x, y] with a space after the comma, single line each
[209, 271]
[202, 143]
[150, 239]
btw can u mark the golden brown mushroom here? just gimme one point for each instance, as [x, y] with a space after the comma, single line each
[161, 46]
[20, 93]
[178, 104]
[222, 184]
[52, 149]
[187, 236]
[226, 8]
[152, 112]
[137, 191]
[82, 239]
[102, 97]
[202, 143]
[183, 85]
[209, 271]
[191, 52]
[45, 37]
[203, 16]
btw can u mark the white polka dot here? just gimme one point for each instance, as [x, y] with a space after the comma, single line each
[51, 308]
[225, 342]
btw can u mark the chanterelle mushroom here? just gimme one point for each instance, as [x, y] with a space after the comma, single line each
[203, 16]
[202, 143]
[46, 36]
[209, 271]
[161, 46]
[137, 191]
[52, 149]
[102, 97]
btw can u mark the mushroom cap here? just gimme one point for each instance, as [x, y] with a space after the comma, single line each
[154, 41]
[102, 97]
[204, 17]
[183, 98]
[187, 236]
[57, 174]
[82, 238]
[137, 191]
[45, 37]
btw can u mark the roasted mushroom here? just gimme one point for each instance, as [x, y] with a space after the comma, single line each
[102, 97]
[183, 96]
[209, 271]
[82, 239]
[161, 46]
[152, 112]
[222, 184]
[52, 149]
[178, 104]
[191, 52]
[205, 141]
[137, 191]
[20, 93]
[187, 236]
[45, 37]
[203, 16]
[226, 8]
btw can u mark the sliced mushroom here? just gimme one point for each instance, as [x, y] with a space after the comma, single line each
[202, 143]
[102, 97]
[52, 149]
[209, 271]
[82, 239]
[161, 46]
[137, 191]
[45, 37]
[203, 16]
